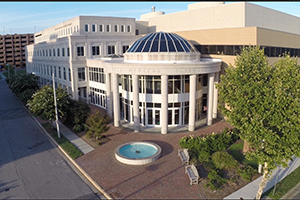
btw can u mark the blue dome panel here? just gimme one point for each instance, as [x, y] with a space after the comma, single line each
[161, 42]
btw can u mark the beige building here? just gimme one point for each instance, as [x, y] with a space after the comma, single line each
[12, 49]
[158, 71]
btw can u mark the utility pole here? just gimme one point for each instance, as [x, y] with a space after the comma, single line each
[55, 103]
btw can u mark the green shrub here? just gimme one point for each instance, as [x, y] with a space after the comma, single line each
[97, 124]
[209, 165]
[223, 160]
[204, 156]
[246, 172]
[215, 180]
[78, 128]
[78, 112]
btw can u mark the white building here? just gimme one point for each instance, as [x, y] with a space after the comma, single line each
[162, 80]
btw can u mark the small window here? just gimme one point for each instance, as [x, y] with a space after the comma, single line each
[95, 50]
[116, 28]
[80, 51]
[94, 27]
[50, 52]
[107, 28]
[57, 52]
[101, 28]
[81, 74]
[128, 28]
[122, 28]
[86, 28]
[63, 51]
[68, 51]
[125, 47]
[65, 74]
[111, 50]
[53, 52]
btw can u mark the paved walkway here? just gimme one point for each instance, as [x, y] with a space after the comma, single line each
[74, 139]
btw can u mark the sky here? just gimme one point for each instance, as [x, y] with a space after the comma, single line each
[33, 16]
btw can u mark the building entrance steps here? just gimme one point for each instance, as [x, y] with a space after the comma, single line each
[73, 138]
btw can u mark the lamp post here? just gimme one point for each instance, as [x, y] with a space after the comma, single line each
[57, 126]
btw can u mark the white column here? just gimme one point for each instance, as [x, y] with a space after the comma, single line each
[192, 102]
[116, 99]
[108, 95]
[210, 98]
[164, 104]
[74, 72]
[215, 103]
[74, 81]
[135, 85]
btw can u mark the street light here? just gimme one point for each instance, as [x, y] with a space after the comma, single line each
[57, 127]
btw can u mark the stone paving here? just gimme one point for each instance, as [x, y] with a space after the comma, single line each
[163, 178]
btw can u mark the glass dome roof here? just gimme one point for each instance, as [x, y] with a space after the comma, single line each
[161, 42]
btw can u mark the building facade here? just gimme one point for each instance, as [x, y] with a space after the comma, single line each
[12, 49]
[160, 70]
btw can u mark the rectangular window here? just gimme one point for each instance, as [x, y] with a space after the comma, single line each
[80, 51]
[116, 28]
[57, 52]
[50, 52]
[59, 72]
[63, 51]
[95, 50]
[81, 74]
[69, 74]
[94, 27]
[101, 28]
[53, 52]
[46, 53]
[107, 28]
[111, 50]
[65, 75]
[54, 71]
[68, 51]
[128, 28]
[86, 28]
[125, 47]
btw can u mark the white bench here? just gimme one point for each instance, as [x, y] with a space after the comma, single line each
[184, 156]
[192, 172]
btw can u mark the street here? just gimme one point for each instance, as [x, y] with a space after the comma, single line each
[30, 167]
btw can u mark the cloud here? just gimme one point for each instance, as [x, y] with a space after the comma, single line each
[12, 17]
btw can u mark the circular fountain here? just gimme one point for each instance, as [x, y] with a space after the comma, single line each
[137, 153]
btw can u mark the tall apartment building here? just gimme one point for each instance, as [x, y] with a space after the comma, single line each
[12, 49]
[168, 64]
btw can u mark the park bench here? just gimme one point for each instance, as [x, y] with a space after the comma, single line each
[184, 156]
[192, 172]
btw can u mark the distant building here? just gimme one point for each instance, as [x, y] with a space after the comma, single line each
[12, 49]
[161, 70]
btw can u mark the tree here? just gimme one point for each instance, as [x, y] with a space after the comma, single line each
[24, 86]
[97, 124]
[42, 103]
[263, 102]
[78, 113]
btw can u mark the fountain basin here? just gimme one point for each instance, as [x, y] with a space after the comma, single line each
[137, 153]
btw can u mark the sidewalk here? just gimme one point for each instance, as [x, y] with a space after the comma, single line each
[74, 139]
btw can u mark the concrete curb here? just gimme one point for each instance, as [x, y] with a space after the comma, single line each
[56, 145]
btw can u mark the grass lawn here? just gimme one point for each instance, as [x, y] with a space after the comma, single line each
[284, 185]
[236, 149]
[72, 150]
